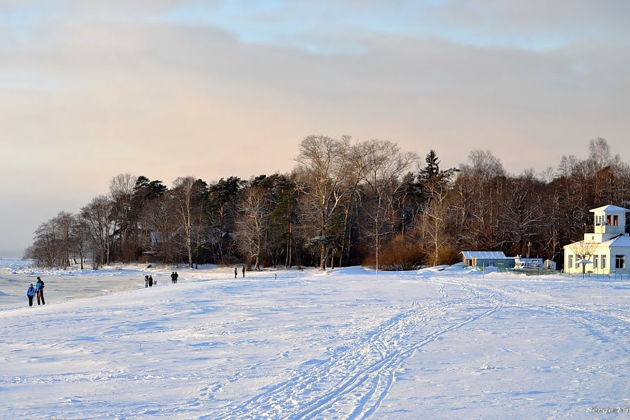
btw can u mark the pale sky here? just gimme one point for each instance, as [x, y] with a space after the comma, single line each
[168, 88]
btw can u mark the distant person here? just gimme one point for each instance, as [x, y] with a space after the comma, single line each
[150, 281]
[173, 278]
[243, 271]
[39, 291]
[146, 281]
[30, 293]
[235, 272]
[176, 276]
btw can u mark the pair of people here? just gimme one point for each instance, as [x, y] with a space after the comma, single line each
[37, 290]
[148, 281]
[236, 272]
[174, 277]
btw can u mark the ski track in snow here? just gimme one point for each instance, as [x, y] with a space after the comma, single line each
[353, 382]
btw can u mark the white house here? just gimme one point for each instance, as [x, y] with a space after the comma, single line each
[606, 250]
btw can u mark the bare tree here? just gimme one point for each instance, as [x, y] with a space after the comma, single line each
[320, 172]
[583, 251]
[382, 165]
[435, 217]
[122, 189]
[157, 218]
[44, 249]
[64, 222]
[187, 195]
[100, 225]
[253, 223]
[80, 238]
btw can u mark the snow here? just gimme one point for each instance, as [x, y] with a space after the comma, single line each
[351, 343]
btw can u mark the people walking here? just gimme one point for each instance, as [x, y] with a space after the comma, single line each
[173, 278]
[39, 291]
[30, 293]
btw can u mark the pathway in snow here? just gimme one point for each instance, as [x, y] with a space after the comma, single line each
[354, 381]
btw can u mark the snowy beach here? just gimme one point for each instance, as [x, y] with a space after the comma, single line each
[307, 344]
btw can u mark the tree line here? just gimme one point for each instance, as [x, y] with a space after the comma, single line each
[343, 204]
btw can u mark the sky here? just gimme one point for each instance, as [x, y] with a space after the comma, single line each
[168, 88]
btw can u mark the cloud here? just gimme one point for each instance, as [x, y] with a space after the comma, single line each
[90, 89]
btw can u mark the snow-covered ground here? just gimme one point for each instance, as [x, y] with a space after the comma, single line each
[306, 344]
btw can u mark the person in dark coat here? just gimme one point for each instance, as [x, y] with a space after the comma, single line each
[150, 281]
[243, 271]
[173, 278]
[39, 291]
[235, 272]
[30, 293]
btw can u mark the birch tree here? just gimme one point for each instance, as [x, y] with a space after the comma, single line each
[188, 194]
[252, 224]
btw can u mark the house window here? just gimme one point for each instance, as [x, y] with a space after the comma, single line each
[603, 261]
[595, 261]
[620, 261]
[569, 261]
[615, 220]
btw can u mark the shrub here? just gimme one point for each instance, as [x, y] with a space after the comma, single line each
[399, 254]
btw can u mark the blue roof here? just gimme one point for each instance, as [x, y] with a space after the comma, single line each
[485, 255]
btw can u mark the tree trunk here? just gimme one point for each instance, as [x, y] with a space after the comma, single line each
[322, 257]
[189, 246]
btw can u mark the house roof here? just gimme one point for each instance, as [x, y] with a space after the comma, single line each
[487, 255]
[610, 209]
[621, 240]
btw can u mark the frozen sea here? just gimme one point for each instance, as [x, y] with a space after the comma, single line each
[16, 275]
[342, 344]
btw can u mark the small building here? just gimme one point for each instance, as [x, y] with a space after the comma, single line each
[550, 265]
[604, 251]
[487, 259]
[521, 263]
